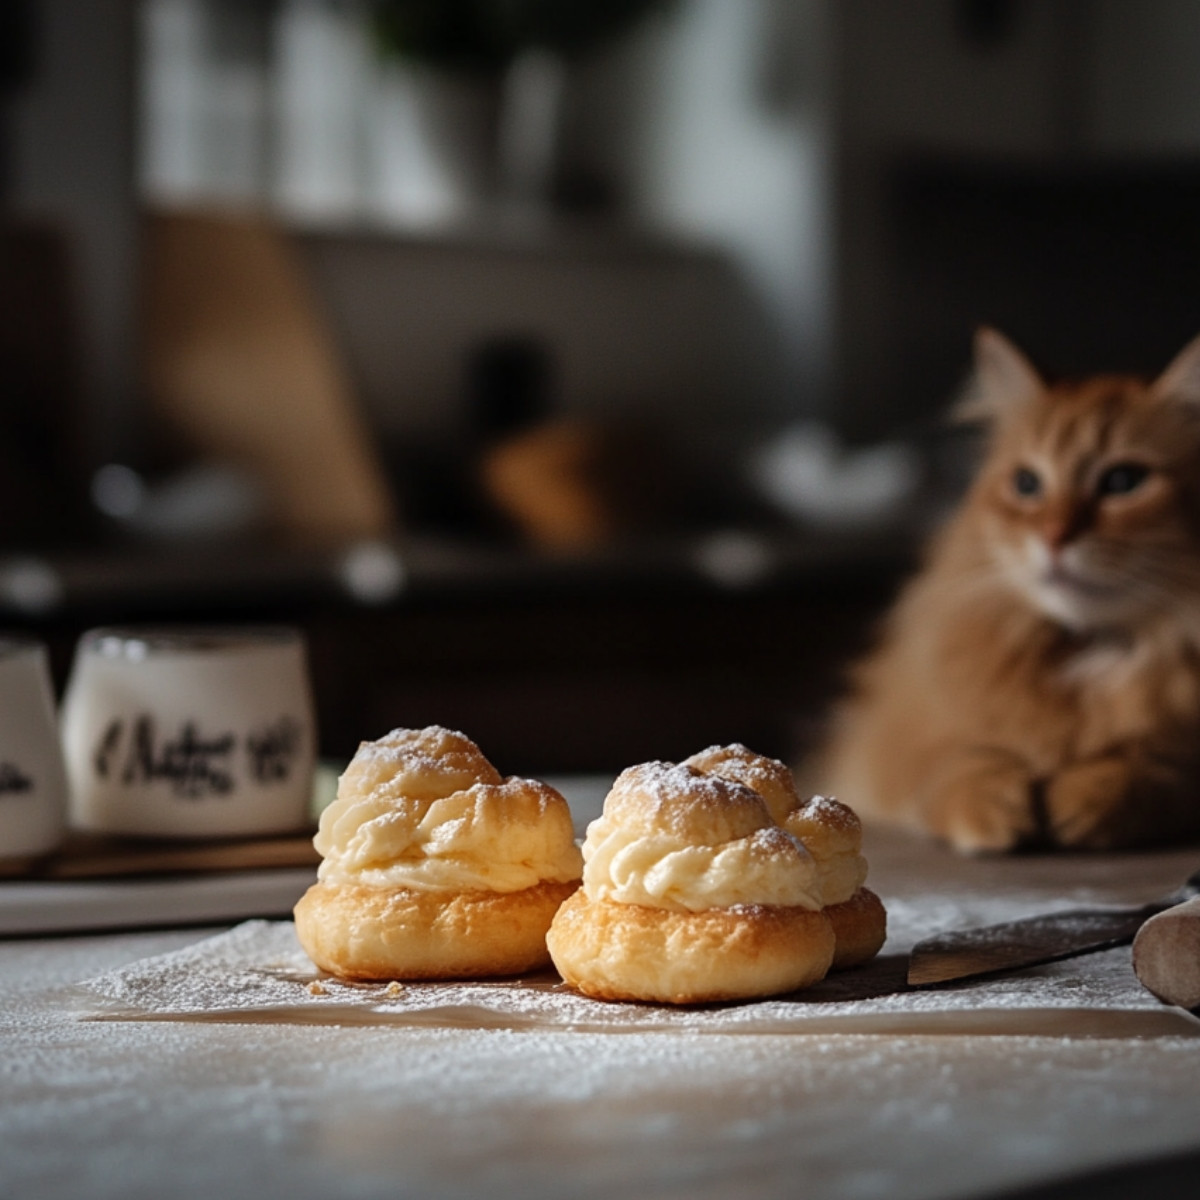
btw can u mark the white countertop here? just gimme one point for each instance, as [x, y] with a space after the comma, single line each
[181, 1109]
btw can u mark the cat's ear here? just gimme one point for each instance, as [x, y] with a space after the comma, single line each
[1181, 380]
[1003, 379]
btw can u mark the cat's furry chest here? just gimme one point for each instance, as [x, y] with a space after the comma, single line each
[1104, 665]
[1115, 688]
[1027, 683]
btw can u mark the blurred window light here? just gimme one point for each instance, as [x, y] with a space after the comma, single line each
[735, 559]
[203, 92]
[372, 572]
[117, 490]
[30, 585]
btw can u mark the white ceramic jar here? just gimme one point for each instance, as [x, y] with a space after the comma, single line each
[33, 786]
[189, 732]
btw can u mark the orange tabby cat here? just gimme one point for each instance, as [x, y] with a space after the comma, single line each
[1039, 681]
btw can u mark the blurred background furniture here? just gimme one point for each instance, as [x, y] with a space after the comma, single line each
[581, 388]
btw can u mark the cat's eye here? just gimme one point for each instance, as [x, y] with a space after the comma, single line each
[1121, 478]
[1026, 482]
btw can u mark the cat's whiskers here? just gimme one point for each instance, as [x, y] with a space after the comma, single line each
[1084, 585]
[972, 584]
[1161, 592]
[1026, 568]
[1167, 569]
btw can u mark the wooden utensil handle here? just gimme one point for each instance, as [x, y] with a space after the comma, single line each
[1166, 954]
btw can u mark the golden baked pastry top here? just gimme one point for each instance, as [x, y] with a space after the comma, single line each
[672, 837]
[828, 829]
[833, 834]
[424, 809]
[770, 778]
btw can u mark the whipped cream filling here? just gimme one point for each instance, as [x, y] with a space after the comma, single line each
[659, 871]
[841, 875]
[489, 837]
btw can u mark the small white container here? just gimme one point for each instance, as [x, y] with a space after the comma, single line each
[189, 732]
[33, 785]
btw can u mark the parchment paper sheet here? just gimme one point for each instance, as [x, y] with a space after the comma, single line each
[257, 971]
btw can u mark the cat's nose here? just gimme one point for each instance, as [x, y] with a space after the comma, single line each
[1056, 537]
[1059, 529]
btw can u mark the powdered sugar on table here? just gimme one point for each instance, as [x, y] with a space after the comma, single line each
[257, 971]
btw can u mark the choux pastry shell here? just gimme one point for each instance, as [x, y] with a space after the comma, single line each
[832, 834]
[691, 892]
[434, 867]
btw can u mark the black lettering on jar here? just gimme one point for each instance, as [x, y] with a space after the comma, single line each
[193, 765]
[109, 743]
[13, 781]
[273, 750]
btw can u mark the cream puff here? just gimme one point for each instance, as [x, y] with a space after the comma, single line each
[832, 834]
[434, 867]
[691, 893]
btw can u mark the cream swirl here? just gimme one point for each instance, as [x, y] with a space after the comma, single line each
[832, 833]
[409, 815]
[841, 875]
[829, 830]
[673, 838]
[768, 867]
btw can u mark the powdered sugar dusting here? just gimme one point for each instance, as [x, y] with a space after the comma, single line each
[676, 798]
[257, 971]
[827, 810]
[197, 1106]
[433, 748]
[769, 777]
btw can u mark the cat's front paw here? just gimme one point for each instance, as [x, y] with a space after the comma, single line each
[987, 809]
[1087, 804]
[1118, 801]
